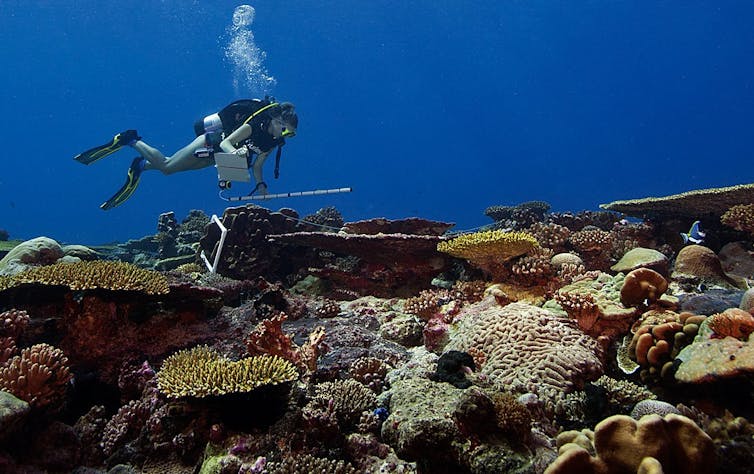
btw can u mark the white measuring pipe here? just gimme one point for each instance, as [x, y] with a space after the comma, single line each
[264, 197]
[223, 232]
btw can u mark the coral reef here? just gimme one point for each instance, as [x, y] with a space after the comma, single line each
[201, 372]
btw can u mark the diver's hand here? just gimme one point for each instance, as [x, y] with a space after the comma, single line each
[242, 151]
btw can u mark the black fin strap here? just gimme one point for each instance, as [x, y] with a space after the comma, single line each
[277, 161]
[257, 187]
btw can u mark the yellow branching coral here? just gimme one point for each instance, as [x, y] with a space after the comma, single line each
[38, 376]
[489, 249]
[740, 217]
[201, 372]
[98, 274]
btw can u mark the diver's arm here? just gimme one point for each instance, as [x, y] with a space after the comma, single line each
[257, 171]
[239, 135]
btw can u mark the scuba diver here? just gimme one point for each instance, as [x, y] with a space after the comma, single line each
[249, 127]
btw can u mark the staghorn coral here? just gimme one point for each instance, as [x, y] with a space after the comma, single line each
[640, 285]
[307, 464]
[488, 250]
[528, 349]
[740, 217]
[13, 322]
[371, 372]
[201, 372]
[39, 376]
[673, 445]
[97, 274]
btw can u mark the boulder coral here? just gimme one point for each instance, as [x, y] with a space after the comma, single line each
[528, 349]
[696, 263]
[670, 445]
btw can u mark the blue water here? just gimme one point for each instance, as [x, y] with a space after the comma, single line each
[431, 108]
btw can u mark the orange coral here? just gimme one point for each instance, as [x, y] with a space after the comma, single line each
[732, 322]
[642, 285]
[39, 376]
[268, 338]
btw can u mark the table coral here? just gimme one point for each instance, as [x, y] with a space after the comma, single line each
[488, 250]
[39, 376]
[201, 372]
[674, 444]
[528, 349]
[109, 275]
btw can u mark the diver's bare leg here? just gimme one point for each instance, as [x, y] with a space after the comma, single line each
[182, 160]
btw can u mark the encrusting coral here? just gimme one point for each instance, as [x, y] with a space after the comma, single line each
[97, 274]
[201, 372]
[488, 250]
[39, 376]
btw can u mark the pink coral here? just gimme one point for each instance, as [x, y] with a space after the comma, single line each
[39, 376]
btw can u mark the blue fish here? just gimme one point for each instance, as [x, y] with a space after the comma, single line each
[694, 235]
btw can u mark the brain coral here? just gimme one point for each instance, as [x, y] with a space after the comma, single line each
[528, 349]
[97, 274]
[487, 250]
[201, 372]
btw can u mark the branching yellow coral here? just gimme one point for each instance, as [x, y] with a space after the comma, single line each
[488, 250]
[96, 274]
[201, 372]
[740, 217]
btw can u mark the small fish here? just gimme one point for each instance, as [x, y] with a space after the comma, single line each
[694, 235]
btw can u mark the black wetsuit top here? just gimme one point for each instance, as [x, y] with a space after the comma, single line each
[235, 114]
